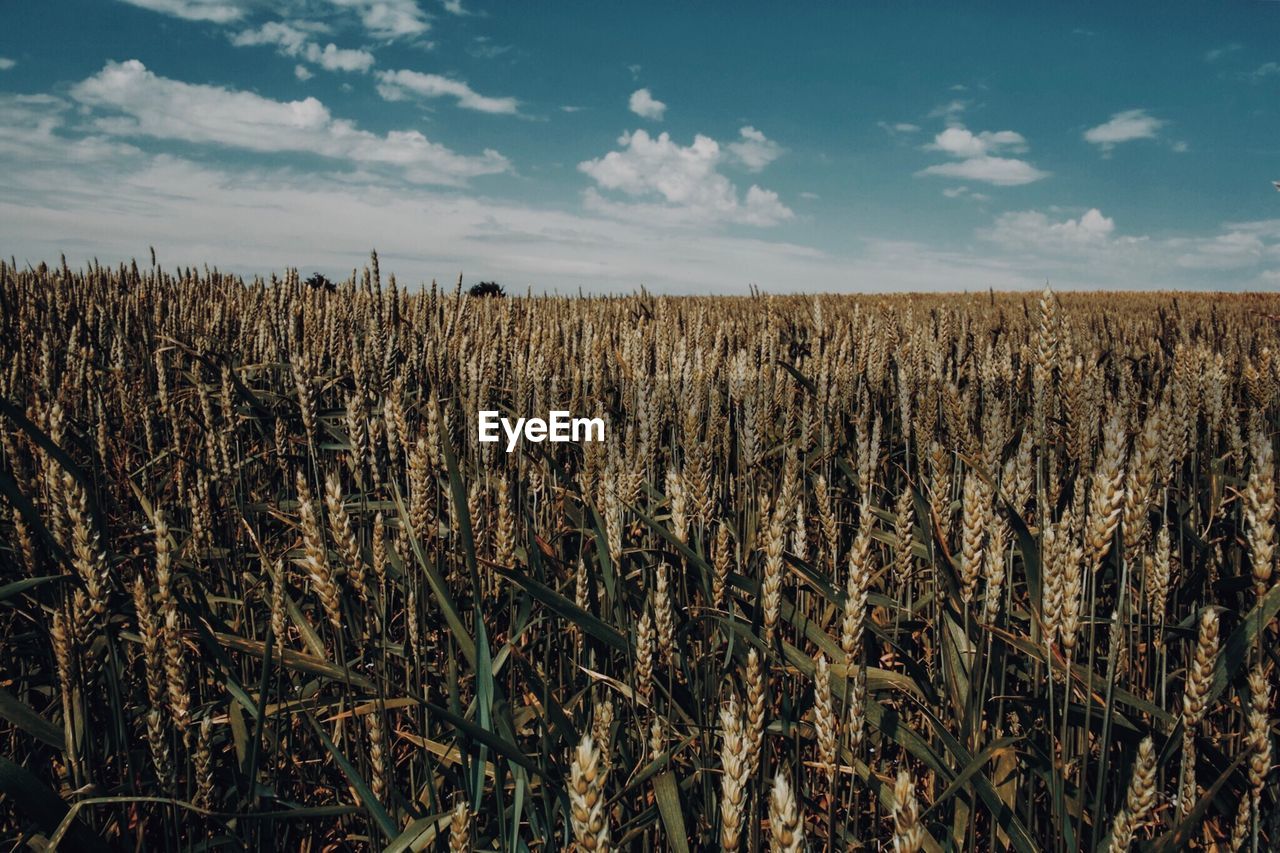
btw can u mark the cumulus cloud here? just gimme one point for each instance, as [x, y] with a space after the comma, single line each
[6, 63]
[399, 85]
[753, 150]
[294, 41]
[959, 142]
[980, 157]
[1124, 127]
[1241, 245]
[217, 11]
[684, 179]
[1240, 254]
[141, 103]
[454, 7]
[1238, 246]
[643, 104]
[1035, 230]
[114, 200]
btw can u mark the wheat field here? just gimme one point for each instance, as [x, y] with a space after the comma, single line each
[944, 572]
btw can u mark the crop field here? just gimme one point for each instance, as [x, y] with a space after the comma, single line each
[921, 573]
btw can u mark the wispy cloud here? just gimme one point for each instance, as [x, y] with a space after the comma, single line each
[981, 157]
[482, 47]
[965, 192]
[685, 181]
[217, 11]
[293, 41]
[139, 103]
[6, 63]
[1125, 126]
[1219, 52]
[454, 7]
[645, 105]
[398, 85]
[898, 127]
[1263, 71]
[951, 110]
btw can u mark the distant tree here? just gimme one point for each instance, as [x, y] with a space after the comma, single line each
[318, 281]
[486, 288]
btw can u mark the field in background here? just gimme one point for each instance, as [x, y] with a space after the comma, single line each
[929, 572]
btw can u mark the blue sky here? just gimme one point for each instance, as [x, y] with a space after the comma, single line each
[688, 147]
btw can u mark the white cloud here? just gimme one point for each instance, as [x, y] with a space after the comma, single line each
[293, 41]
[898, 128]
[383, 19]
[685, 179]
[754, 151]
[1241, 245]
[978, 157]
[1239, 250]
[302, 72]
[334, 58]
[643, 104]
[114, 201]
[255, 221]
[6, 63]
[959, 142]
[1001, 171]
[289, 38]
[1124, 127]
[398, 85]
[965, 192]
[454, 7]
[388, 19]
[216, 11]
[29, 138]
[145, 104]
[1033, 229]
